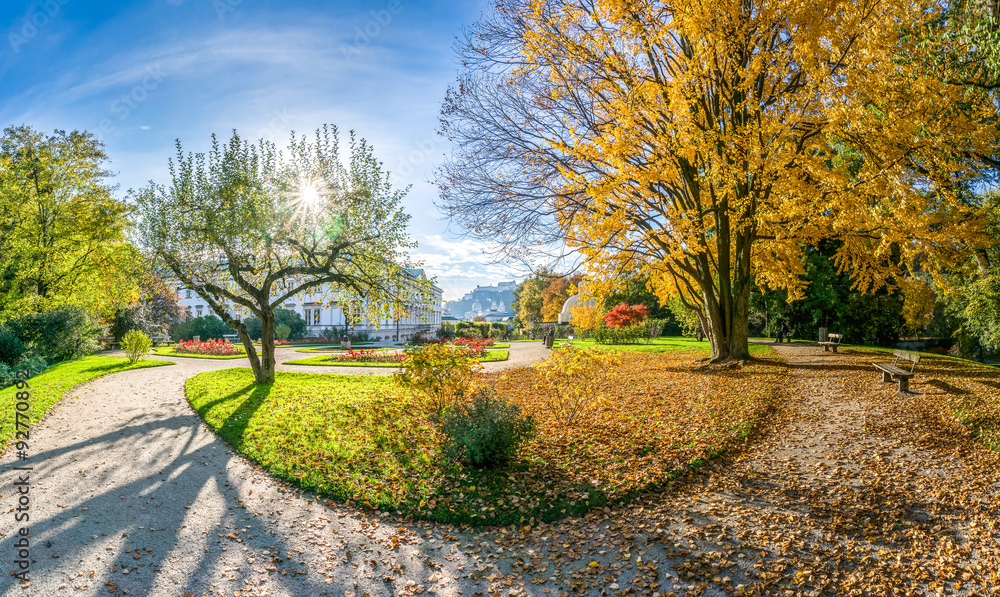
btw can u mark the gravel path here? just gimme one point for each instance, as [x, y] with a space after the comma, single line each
[847, 491]
[132, 494]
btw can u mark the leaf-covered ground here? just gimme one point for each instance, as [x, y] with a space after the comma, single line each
[854, 490]
[363, 441]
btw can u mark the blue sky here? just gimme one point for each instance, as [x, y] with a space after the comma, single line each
[142, 74]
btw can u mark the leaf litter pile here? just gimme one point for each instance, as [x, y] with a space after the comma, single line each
[859, 491]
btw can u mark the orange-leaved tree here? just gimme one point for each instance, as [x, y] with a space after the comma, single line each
[708, 145]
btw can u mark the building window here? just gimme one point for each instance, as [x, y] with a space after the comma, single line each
[198, 308]
[187, 294]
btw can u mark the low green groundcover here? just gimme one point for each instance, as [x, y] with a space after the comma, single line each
[50, 385]
[489, 356]
[170, 351]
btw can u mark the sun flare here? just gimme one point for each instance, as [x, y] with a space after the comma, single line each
[309, 194]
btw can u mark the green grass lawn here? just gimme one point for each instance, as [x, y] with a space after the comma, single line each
[49, 386]
[489, 356]
[170, 351]
[657, 346]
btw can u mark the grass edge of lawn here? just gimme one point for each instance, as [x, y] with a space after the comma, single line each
[49, 402]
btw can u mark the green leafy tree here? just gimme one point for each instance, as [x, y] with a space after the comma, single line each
[296, 325]
[62, 233]
[206, 327]
[156, 310]
[249, 226]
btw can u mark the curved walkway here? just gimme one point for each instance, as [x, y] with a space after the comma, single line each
[850, 488]
[132, 492]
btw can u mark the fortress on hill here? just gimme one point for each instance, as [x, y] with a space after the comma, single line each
[483, 299]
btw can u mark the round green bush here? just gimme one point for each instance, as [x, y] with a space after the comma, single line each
[486, 431]
[137, 345]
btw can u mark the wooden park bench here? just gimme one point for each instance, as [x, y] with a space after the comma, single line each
[108, 342]
[160, 340]
[890, 371]
[786, 338]
[833, 342]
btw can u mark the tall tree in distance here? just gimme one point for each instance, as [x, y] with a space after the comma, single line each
[705, 145]
[62, 232]
[554, 295]
[248, 227]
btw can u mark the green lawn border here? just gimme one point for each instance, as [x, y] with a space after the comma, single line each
[48, 387]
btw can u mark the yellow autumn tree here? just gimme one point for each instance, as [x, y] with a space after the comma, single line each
[919, 301]
[707, 145]
[587, 315]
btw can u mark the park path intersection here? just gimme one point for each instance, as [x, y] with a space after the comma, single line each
[135, 495]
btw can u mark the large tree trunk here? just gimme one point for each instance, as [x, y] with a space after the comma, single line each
[241, 329]
[726, 303]
[265, 372]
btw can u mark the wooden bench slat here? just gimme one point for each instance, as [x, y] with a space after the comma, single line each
[894, 371]
[890, 371]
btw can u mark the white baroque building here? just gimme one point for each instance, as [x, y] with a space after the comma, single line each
[423, 319]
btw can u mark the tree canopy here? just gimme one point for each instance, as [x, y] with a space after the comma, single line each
[706, 145]
[62, 232]
[248, 227]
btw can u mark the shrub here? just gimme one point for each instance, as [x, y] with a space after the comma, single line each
[631, 335]
[282, 331]
[11, 349]
[296, 325]
[441, 372]
[626, 316]
[485, 431]
[136, 344]
[654, 327]
[34, 364]
[473, 333]
[572, 380]
[59, 334]
[207, 327]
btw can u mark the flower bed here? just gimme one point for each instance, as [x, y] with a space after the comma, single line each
[475, 344]
[219, 348]
[368, 356]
